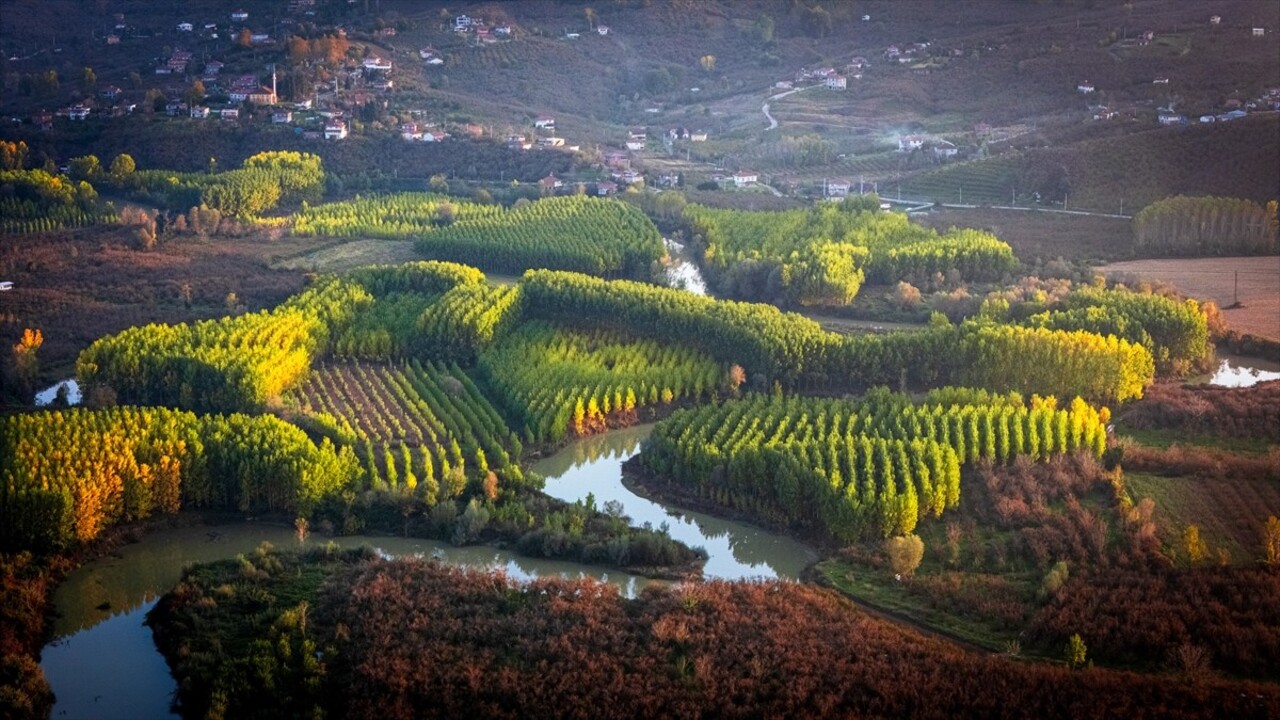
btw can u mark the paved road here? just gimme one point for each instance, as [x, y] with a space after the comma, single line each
[773, 123]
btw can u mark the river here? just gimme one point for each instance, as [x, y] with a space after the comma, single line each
[103, 663]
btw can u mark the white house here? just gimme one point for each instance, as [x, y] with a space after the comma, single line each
[199, 112]
[742, 178]
[944, 149]
[335, 130]
[550, 142]
[602, 29]
[229, 113]
[435, 60]
[1085, 87]
[281, 117]
[1215, 20]
[837, 188]
[545, 122]
[1259, 32]
[910, 142]
[1168, 118]
[698, 136]
[78, 112]
[635, 144]
[240, 15]
[185, 27]
[373, 62]
[836, 82]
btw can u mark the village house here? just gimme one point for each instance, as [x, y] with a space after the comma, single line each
[550, 183]
[616, 159]
[502, 31]
[242, 87]
[629, 177]
[604, 188]
[199, 112]
[635, 145]
[335, 130]
[1085, 88]
[907, 143]
[550, 142]
[410, 131]
[836, 82]
[213, 67]
[602, 29]
[742, 178]
[111, 92]
[943, 149]
[518, 142]
[1215, 19]
[240, 15]
[373, 62]
[1170, 118]
[1160, 80]
[545, 122]
[637, 133]
[175, 108]
[78, 112]
[229, 113]
[485, 35]
[185, 27]
[282, 117]
[1259, 32]
[837, 188]
[262, 96]
[434, 136]
[698, 136]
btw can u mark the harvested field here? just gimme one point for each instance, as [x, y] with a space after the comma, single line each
[77, 286]
[1043, 235]
[1214, 279]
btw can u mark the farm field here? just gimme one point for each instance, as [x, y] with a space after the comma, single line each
[1214, 279]
[1230, 513]
[1042, 235]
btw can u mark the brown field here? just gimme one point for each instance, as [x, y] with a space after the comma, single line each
[78, 286]
[1229, 513]
[1215, 279]
[1043, 235]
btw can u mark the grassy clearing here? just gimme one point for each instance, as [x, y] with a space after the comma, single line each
[334, 257]
[1163, 438]
[1229, 513]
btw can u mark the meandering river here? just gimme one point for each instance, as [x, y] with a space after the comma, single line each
[103, 663]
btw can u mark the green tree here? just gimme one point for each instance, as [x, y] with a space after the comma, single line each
[1076, 653]
[708, 62]
[86, 167]
[122, 167]
[905, 553]
[88, 80]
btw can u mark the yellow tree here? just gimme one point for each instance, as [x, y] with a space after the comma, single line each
[25, 360]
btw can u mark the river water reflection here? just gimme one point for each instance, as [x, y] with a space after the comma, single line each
[103, 663]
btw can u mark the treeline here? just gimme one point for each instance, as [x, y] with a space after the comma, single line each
[265, 180]
[235, 363]
[1176, 332]
[68, 475]
[849, 468]
[411, 638]
[764, 340]
[560, 382]
[1197, 226]
[33, 201]
[794, 351]
[595, 236]
[822, 255]
[401, 216]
